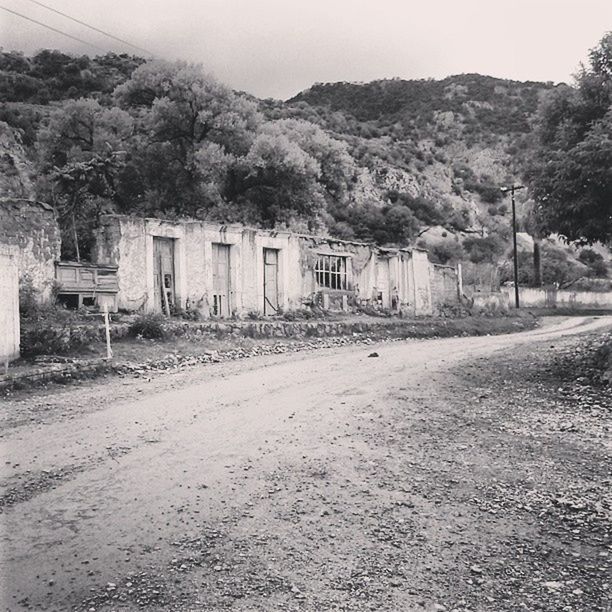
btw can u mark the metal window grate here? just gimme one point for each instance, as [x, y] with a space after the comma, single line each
[330, 272]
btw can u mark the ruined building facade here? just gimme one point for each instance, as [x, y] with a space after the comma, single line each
[224, 271]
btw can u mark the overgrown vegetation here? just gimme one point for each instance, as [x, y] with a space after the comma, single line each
[150, 326]
[47, 328]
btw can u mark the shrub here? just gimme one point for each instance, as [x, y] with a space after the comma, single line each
[595, 262]
[489, 192]
[148, 325]
[41, 338]
[483, 249]
[301, 314]
[445, 252]
[28, 298]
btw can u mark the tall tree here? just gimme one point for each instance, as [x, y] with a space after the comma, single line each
[571, 170]
[81, 152]
[188, 122]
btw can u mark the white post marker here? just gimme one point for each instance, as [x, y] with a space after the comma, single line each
[109, 350]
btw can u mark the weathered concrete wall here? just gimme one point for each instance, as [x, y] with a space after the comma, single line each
[128, 243]
[9, 305]
[489, 302]
[362, 268]
[397, 279]
[532, 297]
[444, 285]
[121, 241]
[32, 228]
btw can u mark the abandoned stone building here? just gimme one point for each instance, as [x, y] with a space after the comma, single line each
[223, 270]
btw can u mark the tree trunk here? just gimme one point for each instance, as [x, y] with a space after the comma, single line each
[537, 263]
[76, 238]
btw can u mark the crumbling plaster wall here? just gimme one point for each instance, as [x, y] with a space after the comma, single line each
[361, 267]
[420, 291]
[128, 243]
[121, 241]
[444, 287]
[9, 304]
[402, 276]
[31, 227]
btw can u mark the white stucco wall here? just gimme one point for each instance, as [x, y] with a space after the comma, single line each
[535, 297]
[9, 305]
[421, 283]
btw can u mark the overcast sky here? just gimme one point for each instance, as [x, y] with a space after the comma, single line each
[276, 48]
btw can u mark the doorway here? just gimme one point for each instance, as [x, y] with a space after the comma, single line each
[270, 257]
[221, 306]
[163, 274]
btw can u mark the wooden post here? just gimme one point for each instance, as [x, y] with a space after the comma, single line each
[459, 271]
[109, 350]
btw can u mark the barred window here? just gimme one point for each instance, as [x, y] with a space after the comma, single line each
[330, 271]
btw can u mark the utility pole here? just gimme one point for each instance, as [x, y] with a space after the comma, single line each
[512, 189]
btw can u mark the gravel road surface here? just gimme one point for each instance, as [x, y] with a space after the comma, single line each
[379, 478]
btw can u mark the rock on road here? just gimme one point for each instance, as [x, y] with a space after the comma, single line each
[109, 487]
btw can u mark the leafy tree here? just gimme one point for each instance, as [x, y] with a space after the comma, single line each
[188, 122]
[446, 252]
[597, 266]
[483, 249]
[293, 169]
[82, 192]
[81, 129]
[279, 179]
[571, 172]
[81, 152]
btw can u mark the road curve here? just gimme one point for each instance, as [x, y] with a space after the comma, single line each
[110, 477]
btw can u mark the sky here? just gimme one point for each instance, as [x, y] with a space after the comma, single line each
[276, 48]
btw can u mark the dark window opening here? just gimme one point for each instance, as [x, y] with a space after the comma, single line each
[69, 300]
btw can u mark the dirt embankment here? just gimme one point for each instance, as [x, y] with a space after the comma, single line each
[188, 344]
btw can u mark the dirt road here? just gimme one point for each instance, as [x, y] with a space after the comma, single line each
[328, 480]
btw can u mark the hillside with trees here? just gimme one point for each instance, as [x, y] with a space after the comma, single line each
[396, 162]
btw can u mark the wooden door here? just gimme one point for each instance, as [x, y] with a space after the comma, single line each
[270, 257]
[221, 305]
[163, 274]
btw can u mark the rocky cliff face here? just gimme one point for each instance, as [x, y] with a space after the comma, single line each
[15, 169]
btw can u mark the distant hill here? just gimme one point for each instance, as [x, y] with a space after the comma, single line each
[483, 103]
[454, 141]
[29, 84]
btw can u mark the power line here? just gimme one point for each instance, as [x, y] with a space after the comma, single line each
[44, 25]
[121, 40]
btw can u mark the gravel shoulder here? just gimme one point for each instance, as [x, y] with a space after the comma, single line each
[436, 476]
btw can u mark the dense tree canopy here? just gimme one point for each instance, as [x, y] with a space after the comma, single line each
[81, 152]
[571, 171]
